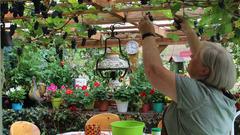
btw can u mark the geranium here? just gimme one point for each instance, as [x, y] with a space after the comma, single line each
[69, 92]
[84, 87]
[96, 84]
[157, 97]
[17, 94]
[146, 94]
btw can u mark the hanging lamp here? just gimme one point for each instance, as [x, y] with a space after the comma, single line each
[112, 65]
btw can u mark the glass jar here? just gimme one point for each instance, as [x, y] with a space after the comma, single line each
[156, 131]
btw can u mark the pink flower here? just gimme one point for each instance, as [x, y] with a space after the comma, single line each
[84, 87]
[97, 84]
[52, 87]
[63, 87]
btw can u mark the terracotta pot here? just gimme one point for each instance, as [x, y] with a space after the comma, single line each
[103, 105]
[146, 107]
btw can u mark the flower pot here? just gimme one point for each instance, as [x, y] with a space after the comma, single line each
[89, 106]
[103, 105]
[122, 106]
[17, 106]
[146, 108]
[158, 107]
[56, 102]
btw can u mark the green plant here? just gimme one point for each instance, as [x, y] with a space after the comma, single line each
[157, 97]
[88, 98]
[17, 94]
[100, 90]
[123, 93]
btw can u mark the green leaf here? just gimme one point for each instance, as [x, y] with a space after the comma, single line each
[72, 1]
[174, 37]
[175, 7]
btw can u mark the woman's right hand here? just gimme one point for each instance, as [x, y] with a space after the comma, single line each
[185, 27]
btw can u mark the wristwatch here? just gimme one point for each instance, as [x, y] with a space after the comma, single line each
[147, 35]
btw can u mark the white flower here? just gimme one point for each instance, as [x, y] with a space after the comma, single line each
[19, 88]
[12, 90]
[7, 93]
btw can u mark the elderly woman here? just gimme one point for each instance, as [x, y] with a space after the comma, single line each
[202, 105]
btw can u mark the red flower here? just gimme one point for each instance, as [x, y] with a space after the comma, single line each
[72, 108]
[69, 92]
[86, 94]
[152, 91]
[143, 94]
[84, 87]
[97, 84]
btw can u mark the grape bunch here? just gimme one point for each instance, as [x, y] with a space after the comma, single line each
[80, 1]
[17, 9]
[45, 30]
[64, 35]
[84, 40]
[19, 51]
[91, 31]
[13, 27]
[177, 23]
[75, 18]
[36, 24]
[57, 13]
[73, 43]
[36, 4]
[4, 9]
[144, 2]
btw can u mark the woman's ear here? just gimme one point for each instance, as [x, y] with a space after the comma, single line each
[205, 71]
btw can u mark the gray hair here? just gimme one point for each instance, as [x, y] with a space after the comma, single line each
[220, 62]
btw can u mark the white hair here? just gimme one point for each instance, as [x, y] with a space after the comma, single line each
[220, 62]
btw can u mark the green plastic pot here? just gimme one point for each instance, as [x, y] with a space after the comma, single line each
[56, 102]
[127, 128]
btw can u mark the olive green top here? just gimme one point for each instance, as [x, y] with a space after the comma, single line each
[200, 110]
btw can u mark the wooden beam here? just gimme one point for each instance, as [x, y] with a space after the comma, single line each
[114, 43]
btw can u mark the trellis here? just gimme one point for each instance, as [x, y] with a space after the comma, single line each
[129, 15]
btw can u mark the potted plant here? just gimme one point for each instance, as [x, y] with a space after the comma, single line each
[55, 95]
[16, 96]
[70, 99]
[88, 100]
[101, 94]
[157, 99]
[122, 96]
[145, 96]
[85, 96]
